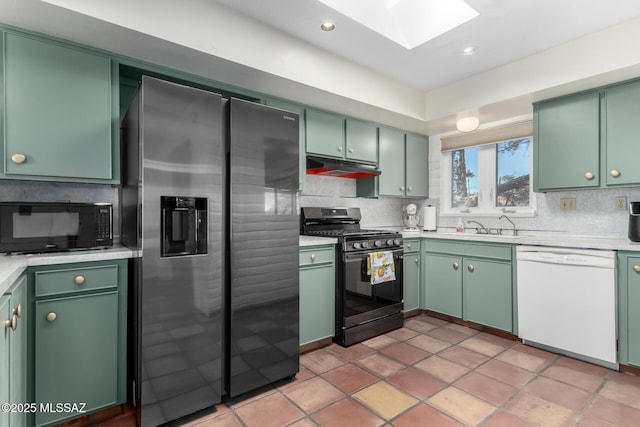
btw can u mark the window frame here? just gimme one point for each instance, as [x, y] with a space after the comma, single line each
[487, 184]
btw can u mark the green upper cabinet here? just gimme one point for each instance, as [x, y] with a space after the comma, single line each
[417, 166]
[325, 134]
[362, 141]
[60, 117]
[391, 162]
[404, 163]
[299, 110]
[622, 134]
[567, 143]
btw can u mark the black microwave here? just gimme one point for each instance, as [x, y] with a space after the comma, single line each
[54, 226]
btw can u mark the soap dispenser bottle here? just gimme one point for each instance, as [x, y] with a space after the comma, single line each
[460, 226]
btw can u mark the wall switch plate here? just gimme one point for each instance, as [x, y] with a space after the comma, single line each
[568, 204]
[621, 203]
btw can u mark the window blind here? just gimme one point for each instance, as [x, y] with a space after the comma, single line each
[488, 136]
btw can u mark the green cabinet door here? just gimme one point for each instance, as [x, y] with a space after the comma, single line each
[567, 143]
[417, 166]
[443, 284]
[18, 350]
[411, 281]
[488, 293]
[58, 111]
[317, 303]
[76, 352]
[362, 141]
[325, 134]
[622, 134]
[5, 314]
[299, 110]
[317, 293]
[391, 162]
[632, 310]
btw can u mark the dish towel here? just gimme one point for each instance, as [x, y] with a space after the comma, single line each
[381, 267]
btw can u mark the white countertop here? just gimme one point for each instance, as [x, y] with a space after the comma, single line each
[12, 266]
[557, 239]
[317, 241]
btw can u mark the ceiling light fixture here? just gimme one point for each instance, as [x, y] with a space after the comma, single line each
[328, 26]
[468, 50]
[468, 123]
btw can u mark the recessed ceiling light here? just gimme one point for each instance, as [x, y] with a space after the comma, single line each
[328, 26]
[469, 50]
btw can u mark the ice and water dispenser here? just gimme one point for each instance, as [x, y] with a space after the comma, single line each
[184, 226]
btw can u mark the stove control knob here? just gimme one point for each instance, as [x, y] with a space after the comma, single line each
[357, 245]
[389, 242]
[365, 245]
[396, 241]
[377, 243]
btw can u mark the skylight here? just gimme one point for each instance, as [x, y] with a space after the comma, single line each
[408, 23]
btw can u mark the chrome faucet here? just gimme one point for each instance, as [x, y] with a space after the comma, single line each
[480, 230]
[515, 231]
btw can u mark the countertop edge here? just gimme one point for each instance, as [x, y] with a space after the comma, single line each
[12, 266]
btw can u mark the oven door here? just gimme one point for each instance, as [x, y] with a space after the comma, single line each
[364, 301]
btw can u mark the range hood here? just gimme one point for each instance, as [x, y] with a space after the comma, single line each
[340, 168]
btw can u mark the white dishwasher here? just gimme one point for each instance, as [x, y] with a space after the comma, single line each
[567, 302]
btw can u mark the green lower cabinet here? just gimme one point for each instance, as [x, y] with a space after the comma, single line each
[411, 275]
[487, 293]
[79, 338]
[5, 313]
[18, 350]
[317, 294]
[469, 280]
[629, 308]
[443, 284]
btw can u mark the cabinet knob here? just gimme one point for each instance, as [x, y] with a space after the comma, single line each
[470, 267]
[417, 261]
[589, 175]
[51, 317]
[402, 188]
[408, 245]
[313, 257]
[455, 265]
[11, 323]
[409, 188]
[615, 173]
[17, 311]
[18, 158]
[350, 150]
[339, 148]
[79, 280]
[636, 268]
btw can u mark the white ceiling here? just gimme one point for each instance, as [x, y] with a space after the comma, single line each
[505, 31]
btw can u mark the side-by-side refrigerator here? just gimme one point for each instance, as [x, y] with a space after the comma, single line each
[208, 201]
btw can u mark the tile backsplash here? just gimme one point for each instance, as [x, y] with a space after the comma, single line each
[333, 192]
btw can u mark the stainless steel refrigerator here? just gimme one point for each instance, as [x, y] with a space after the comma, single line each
[208, 198]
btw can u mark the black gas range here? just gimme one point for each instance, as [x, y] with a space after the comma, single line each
[368, 273]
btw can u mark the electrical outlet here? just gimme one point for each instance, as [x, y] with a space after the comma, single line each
[621, 203]
[568, 204]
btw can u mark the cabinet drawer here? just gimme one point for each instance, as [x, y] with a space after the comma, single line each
[468, 248]
[54, 282]
[316, 256]
[411, 245]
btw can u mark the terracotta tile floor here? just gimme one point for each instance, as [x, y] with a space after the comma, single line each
[435, 373]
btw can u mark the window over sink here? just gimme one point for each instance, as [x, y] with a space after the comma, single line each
[491, 178]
